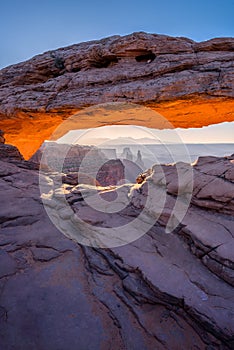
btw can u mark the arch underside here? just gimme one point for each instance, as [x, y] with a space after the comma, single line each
[28, 129]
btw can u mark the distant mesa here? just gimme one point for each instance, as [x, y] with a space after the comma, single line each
[110, 153]
[80, 164]
[132, 170]
[88, 164]
[127, 154]
[139, 160]
[133, 164]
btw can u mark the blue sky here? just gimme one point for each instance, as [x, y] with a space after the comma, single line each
[31, 27]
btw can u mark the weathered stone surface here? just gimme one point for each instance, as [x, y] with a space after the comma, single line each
[9, 152]
[190, 83]
[213, 183]
[163, 291]
[178, 67]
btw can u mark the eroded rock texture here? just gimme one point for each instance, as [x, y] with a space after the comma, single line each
[163, 291]
[10, 152]
[189, 83]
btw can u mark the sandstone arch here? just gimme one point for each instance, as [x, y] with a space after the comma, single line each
[187, 82]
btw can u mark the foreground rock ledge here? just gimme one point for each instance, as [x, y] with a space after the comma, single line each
[189, 83]
[163, 291]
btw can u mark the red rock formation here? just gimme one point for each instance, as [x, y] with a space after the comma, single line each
[111, 173]
[190, 83]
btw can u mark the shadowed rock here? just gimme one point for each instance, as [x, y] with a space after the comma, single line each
[9, 152]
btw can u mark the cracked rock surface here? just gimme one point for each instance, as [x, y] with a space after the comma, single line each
[162, 291]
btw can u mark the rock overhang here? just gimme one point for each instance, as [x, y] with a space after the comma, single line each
[189, 83]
